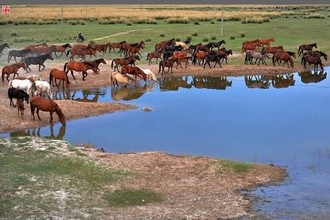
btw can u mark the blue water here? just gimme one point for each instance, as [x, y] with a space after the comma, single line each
[287, 127]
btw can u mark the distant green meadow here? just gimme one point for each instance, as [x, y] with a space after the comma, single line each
[288, 29]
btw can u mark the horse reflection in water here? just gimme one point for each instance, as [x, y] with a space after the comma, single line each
[257, 81]
[130, 92]
[36, 132]
[211, 82]
[283, 81]
[174, 83]
[312, 76]
[90, 95]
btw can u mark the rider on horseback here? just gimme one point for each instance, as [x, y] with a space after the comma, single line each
[80, 37]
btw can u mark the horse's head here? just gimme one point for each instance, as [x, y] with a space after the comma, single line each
[49, 56]
[102, 61]
[61, 116]
[27, 97]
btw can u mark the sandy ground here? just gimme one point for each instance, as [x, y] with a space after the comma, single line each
[192, 187]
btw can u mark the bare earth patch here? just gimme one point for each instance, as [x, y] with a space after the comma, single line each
[194, 187]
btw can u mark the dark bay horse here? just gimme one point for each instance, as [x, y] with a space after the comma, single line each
[18, 53]
[9, 69]
[57, 74]
[166, 63]
[96, 63]
[2, 47]
[154, 55]
[79, 67]
[316, 61]
[38, 60]
[309, 47]
[48, 105]
[135, 71]
[130, 60]
[283, 56]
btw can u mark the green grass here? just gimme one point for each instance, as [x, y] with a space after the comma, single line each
[233, 166]
[132, 197]
[33, 182]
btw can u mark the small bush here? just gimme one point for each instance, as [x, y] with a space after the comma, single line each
[196, 23]
[195, 34]
[205, 39]
[212, 22]
[242, 34]
[148, 40]
[213, 38]
[129, 24]
[14, 34]
[162, 35]
[232, 37]
[177, 39]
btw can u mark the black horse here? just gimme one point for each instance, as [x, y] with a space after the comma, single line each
[19, 53]
[218, 44]
[38, 60]
[17, 94]
[2, 47]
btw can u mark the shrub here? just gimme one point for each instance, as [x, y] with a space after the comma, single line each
[232, 37]
[14, 34]
[213, 38]
[196, 23]
[205, 39]
[162, 35]
[195, 34]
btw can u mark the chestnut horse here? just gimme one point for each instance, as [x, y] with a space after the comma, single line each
[96, 63]
[13, 68]
[154, 55]
[266, 41]
[124, 61]
[47, 105]
[79, 67]
[135, 71]
[60, 48]
[57, 74]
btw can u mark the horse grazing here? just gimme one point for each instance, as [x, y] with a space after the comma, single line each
[17, 94]
[135, 71]
[42, 87]
[60, 48]
[38, 60]
[166, 63]
[2, 47]
[118, 78]
[23, 84]
[48, 105]
[13, 68]
[154, 55]
[130, 60]
[57, 74]
[18, 53]
[308, 47]
[79, 67]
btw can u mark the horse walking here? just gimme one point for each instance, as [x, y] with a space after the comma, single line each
[79, 67]
[18, 53]
[2, 47]
[306, 47]
[47, 105]
[38, 60]
[9, 69]
[57, 74]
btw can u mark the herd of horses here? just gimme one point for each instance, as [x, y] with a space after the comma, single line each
[167, 54]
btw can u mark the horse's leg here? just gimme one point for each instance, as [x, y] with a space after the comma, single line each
[42, 66]
[51, 118]
[84, 74]
[73, 75]
[38, 113]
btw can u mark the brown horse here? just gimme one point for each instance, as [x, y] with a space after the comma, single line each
[132, 49]
[47, 105]
[154, 55]
[79, 67]
[163, 44]
[60, 48]
[57, 74]
[133, 70]
[96, 63]
[266, 42]
[20, 107]
[116, 45]
[307, 47]
[124, 61]
[312, 60]
[82, 51]
[13, 68]
[166, 63]
[283, 56]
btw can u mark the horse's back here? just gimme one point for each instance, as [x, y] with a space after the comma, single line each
[43, 103]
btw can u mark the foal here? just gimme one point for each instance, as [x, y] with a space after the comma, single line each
[20, 107]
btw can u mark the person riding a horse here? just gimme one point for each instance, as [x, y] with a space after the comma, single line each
[80, 37]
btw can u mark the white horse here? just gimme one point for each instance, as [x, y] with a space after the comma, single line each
[42, 87]
[22, 84]
[150, 74]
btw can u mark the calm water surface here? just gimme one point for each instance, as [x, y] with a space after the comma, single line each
[224, 118]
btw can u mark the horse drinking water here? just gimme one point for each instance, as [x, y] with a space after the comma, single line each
[47, 105]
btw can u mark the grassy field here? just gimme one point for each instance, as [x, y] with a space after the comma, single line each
[290, 26]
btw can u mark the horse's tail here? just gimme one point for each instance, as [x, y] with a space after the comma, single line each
[299, 50]
[10, 84]
[65, 66]
[112, 64]
[67, 79]
[273, 59]
[291, 62]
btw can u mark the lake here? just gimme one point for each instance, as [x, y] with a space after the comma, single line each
[283, 121]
